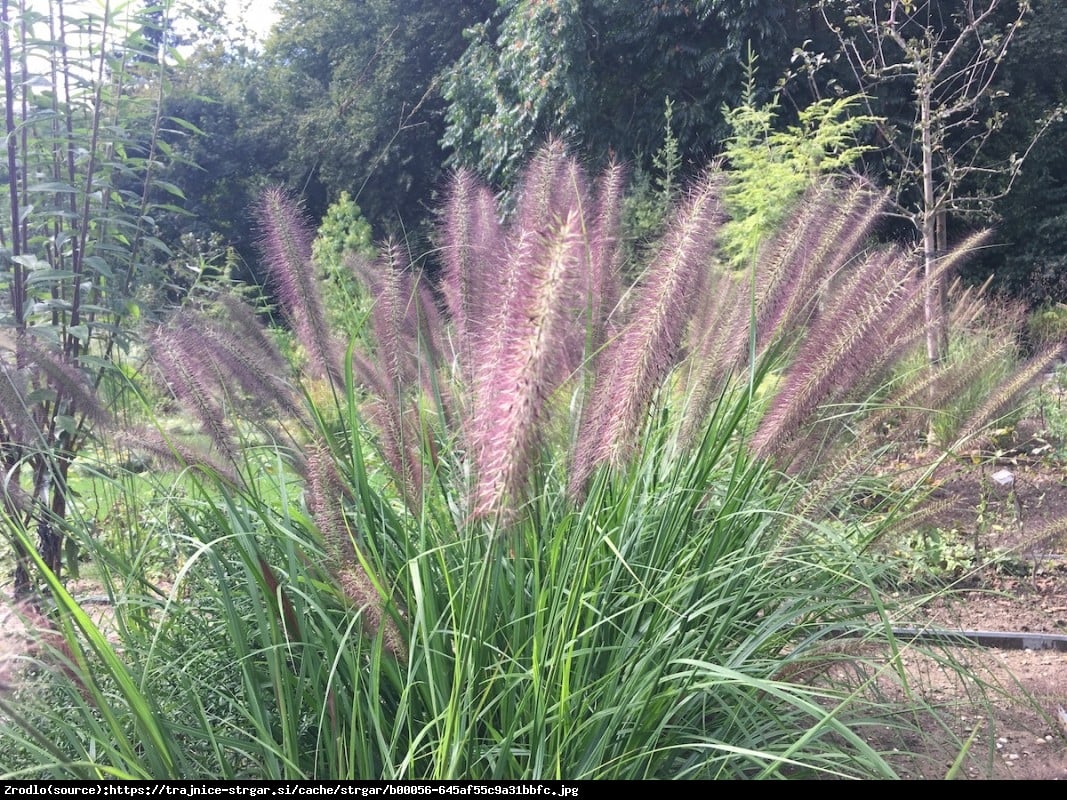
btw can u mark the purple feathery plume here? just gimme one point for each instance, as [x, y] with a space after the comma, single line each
[527, 366]
[360, 590]
[324, 496]
[815, 242]
[237, 359]
[605, 253]
[845, 340]
[173, 453]
[190, 378]
[286, 246]
[70, 383]
[471, 237]
[715, 347]
[16, 420]
[552, 188]
[326, 492]
[637, 361]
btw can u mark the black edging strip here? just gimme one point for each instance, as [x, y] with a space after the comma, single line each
[1003, 640]
[946, 637]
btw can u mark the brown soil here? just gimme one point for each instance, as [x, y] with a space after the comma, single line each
[1009, 513]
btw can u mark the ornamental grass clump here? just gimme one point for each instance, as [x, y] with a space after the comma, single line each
[536, 524]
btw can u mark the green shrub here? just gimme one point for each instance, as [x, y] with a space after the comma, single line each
[344, 233]
[1048, 324]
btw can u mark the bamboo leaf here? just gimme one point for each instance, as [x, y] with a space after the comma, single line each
[182, 123]
[52, 187]
[170, 188]
[49, 276]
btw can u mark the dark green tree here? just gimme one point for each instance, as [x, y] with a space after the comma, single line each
[226, 149]
[1029, 256]
[598, 73]
[354, 87]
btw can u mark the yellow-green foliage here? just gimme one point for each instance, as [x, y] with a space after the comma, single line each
[770, 169]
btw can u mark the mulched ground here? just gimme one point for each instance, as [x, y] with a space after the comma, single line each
[1010, 515]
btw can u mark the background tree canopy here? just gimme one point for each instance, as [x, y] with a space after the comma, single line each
[380, 98]
[357, 87]
[1029, 255]
[598, 73]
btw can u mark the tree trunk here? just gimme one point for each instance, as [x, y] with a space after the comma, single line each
[934, 296]
[940, 248]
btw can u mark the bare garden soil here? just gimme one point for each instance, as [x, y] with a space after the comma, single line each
[1003, 520]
